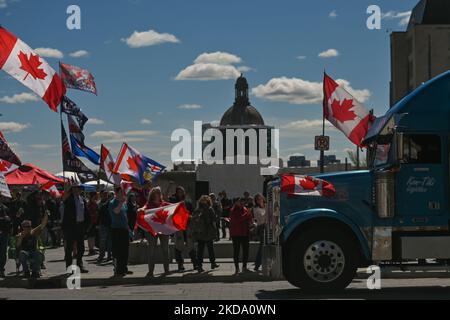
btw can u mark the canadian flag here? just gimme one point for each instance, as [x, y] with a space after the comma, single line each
[345, 112]
[22, 63]
[306, 186]
[163, 220]
[127, 163]
[6, 166]
[107, 165]
[50, 187]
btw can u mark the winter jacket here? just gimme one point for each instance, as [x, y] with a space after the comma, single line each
[240, 222]
[203, 224]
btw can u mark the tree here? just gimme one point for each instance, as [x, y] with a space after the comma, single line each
[353, 159]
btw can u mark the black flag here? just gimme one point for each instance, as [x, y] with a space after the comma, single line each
[6, 153]
[69, 107]
[70, 162]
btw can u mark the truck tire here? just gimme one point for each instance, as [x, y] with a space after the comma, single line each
[321, 260]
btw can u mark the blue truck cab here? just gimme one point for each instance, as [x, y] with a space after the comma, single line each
[397, 213]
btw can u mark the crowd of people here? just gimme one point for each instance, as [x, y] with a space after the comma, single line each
[107, 221]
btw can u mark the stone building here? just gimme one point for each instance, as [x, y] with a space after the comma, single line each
[423, 50]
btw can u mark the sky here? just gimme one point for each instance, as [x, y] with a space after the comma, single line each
[161, 65]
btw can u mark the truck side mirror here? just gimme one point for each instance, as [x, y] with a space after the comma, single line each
[399, 151]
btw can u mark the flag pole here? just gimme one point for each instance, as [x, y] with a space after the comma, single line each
[99, 168]
[61, 125]
[62, 142]
[322, 153]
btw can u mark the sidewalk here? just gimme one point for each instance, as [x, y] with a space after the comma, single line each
[102, 275]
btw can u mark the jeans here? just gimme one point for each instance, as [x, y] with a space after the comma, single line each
[120, 248]
[52, 235]
[239, 242]
[218, 229]
[105, 241]
[260, 233]
[224, 227]
[152, 243]
[74, 235]
[3, 250]
[35, 257]
[201, 249]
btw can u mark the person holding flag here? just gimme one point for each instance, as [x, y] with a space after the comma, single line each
[155, 200]
[119, 232]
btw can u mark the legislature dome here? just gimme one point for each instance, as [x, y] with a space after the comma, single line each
[241, 113]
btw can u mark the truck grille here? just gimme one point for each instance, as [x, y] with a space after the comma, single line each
[273, 216]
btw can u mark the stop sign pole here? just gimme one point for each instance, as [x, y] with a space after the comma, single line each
[322, 143]
[322, 150]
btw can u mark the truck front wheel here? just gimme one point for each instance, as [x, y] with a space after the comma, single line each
[321, 260]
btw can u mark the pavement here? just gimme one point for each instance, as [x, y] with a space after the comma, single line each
[219, 284]
[392, 289]
[54, 276]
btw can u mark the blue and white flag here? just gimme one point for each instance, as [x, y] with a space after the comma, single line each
[81, 150]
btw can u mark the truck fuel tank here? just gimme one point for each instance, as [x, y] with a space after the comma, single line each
[385, 193]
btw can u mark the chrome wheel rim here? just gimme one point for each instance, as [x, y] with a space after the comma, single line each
[324, 261]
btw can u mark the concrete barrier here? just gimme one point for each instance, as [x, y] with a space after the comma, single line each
[222, 250]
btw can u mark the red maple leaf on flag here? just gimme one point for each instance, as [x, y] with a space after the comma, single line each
[4, 165]
[341, 111]
[31, 66]
[160, 216]
[110, 165]
[132, 163]
[309, 183]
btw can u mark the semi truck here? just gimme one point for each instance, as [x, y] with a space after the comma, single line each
[395, 214]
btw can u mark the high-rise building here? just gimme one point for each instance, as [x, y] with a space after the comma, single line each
[423, 50]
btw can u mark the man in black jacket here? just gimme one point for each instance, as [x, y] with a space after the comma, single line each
[74, 222]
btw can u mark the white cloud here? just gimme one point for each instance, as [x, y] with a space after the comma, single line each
[330, 53]
[42, 146]
[3, 4]
[301, 57]
[96, 121]
[190, 106]
[105, 134]
[127, 136]
[213, 66]
[149, 38]
[208, 71]
[218, 58]
[403, 17]
[299, 91]
[215, 123]
[146, 121]
[244, 69]
[302, 125]
[79, 54]
[19, 98]
[333, 14]
[142, 133]
[13, 126]
[49, 53]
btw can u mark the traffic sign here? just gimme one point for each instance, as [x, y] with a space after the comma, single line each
[322, 143]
